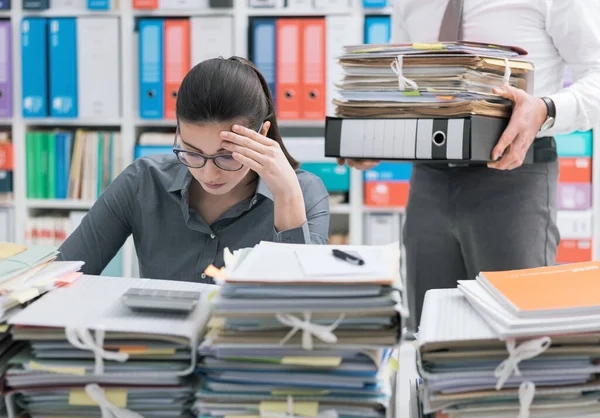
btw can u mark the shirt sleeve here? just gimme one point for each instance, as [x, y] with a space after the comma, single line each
[315, 229]
[105, 228]
[575, 32]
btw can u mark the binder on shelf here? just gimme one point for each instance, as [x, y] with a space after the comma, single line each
[151, 68]
[5, 69]
[375, 4]
[4, 4]
[378, 29]
[450, 140]
[220, 4]
[145, 4]
[98, 80]
[211, 37]
[98, 4]
[288, 47]
[70, 5]
[63, 67]
[313, 89]
[36, 4]
[182, 4]
[34, 67]
[263, 50]
[176, 61]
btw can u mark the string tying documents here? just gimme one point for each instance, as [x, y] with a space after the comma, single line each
[526, 395]
[525, 351]
[403, 82]
[291, 412]
[108, 410]
[81, 338]
[322, 332]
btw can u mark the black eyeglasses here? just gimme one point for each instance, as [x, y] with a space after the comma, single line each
[194, 159]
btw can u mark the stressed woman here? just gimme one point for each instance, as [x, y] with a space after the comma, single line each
[229, 184]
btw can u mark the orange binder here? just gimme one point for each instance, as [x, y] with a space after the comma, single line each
[386, 193]
[6, 156]
[288, 56]
[574, 251]
[554, 289]
[575, 170]
[313, 69]
[145, 4]
[176, 47]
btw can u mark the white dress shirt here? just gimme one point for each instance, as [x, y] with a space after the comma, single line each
[555, 33]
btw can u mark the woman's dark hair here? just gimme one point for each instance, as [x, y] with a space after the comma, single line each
[221, 90]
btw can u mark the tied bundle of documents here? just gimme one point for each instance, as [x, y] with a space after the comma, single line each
[470, 370]
[84, 343]
[298, 332]
[424, 101]
[28, 272]
[416, 80]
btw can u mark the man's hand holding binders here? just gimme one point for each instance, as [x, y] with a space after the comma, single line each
[528, 115]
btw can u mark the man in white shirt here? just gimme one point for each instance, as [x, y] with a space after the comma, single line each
[463, 220]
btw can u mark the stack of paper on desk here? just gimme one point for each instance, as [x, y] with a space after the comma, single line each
[83, 334]
[296, 330]
[469, 371]
[441, 79]
[28, 272]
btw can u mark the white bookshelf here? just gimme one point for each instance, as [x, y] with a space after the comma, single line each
[130, 124]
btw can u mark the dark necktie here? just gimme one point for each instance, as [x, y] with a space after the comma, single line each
[451, 27]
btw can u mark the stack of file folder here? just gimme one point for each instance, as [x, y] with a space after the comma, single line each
[299, 332]
[87, 352]
[424, 101]
[514, 343]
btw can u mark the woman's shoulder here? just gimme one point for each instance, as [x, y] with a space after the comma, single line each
[312, 186]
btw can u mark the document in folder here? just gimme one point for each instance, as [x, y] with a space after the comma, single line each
[290, 263]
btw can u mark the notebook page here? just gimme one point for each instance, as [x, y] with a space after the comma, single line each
[447, 316]
[279, 263]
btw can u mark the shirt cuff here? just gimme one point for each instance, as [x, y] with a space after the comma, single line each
[300, 235]
[566, 110]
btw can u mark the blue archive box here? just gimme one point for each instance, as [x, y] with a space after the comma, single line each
[63, 67]
[151, 56]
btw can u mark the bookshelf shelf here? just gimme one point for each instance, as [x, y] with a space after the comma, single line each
[68, 204]
[58, 122]
[68, 13]
[383, 209]
[185, 13]
[379, 11]
[6, 121]
[297, 12]
[150, 123]
[5, 14]
[341, 209]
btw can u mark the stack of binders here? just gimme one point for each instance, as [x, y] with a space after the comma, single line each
[424, 101]
[88, 353]
[515, 343]
[298, 332]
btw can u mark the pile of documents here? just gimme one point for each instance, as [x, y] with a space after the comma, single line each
[514, 343]
[297, 331]
[87, 352]
[28, 272]
[441, 79]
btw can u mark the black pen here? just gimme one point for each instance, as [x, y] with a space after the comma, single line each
[348, 257]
